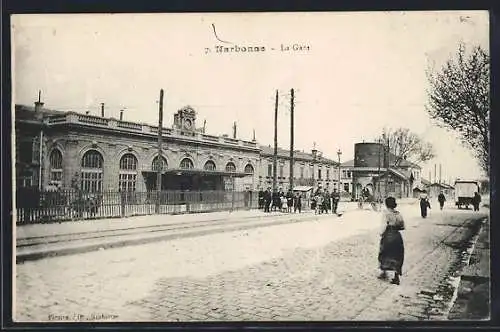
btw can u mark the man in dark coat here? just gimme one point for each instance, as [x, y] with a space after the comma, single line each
[267, 200]
[289, 200]
[335, 200]
[476, 201]
[261, 198]
[276, 200]
[441, 200]
[297, 203]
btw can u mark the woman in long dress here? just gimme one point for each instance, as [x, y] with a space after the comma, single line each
[424, 205]
[392, 251]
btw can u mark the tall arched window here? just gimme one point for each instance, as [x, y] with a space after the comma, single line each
[156, 164]
[186, 163]
[209, 166]
[230, 167]
[92, 170]
[56, 169]
[249, 169]
[128, 172]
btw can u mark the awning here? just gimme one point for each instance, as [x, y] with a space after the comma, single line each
[302, 188]
[192, 171]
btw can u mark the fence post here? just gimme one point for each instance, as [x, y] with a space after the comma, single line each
[122, 201]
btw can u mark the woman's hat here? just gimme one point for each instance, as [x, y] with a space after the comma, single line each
[390, 202]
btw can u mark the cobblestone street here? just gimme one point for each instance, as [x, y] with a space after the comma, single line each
[322, 269]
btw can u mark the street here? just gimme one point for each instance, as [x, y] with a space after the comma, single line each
[322, 268]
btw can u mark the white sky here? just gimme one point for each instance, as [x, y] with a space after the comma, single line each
[364, 71]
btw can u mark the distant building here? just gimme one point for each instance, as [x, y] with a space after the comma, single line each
[310, 169]
[435, 188]
[380, 172]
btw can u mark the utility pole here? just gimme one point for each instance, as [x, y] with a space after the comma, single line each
[378, 177]
[291, 138]
[275, 157]
[439, 173]
[388, 157]
[160, 158]
[102, 110]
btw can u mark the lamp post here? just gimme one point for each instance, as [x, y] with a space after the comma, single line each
[339, 153]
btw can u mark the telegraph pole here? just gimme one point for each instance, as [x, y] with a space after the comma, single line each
[378, 178]
[275, 158]
[387, 160]
[291, 139]
[160, 158]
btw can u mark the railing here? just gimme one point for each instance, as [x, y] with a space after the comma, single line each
[230, 140]
[57, 119]
[93, 120]
[99, 121]
[129, 125]
[210, 138]
[34, 206]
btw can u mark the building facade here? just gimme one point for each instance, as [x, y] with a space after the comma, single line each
[93, 153]
[310, 169]
[380, 172]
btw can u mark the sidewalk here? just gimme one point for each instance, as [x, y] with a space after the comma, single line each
[473, 296]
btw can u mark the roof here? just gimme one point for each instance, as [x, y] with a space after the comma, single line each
[425, 182]
[283, 153]
[302, 188]
[403, 164]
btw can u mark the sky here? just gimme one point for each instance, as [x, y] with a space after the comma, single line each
[362, 71]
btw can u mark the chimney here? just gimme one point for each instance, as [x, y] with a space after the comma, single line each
[234, 130]
[121, 115]
[102, 110]
[38, 104]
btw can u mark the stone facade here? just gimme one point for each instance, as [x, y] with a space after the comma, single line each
[69, 138]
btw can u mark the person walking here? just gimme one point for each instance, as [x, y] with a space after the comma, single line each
[476, 201]
[441, 200]
[391, 250]
[424, 205]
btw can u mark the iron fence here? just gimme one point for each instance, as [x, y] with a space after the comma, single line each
[34, 206]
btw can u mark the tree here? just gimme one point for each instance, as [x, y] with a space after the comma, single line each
[459, 99]
[406, 145]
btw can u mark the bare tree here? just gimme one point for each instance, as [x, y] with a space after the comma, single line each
[406, 145]
[459, 99]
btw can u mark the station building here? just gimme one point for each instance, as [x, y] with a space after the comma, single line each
[95, 153]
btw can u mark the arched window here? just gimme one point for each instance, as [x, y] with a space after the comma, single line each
[92, 169]
[128, 172]
[209, 166]
[249, 168]
[230, 167]
[56, 171]
[186, 163]
[156, 164]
